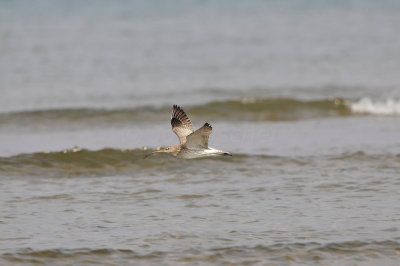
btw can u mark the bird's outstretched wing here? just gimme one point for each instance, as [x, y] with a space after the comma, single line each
[181, 124]
[199, 138]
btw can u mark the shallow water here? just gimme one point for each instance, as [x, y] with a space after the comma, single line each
[307, 103]
[112, 206]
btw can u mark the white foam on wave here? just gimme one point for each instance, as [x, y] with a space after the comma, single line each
[367, 106]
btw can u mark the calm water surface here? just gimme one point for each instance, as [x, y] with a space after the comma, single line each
[305, 94]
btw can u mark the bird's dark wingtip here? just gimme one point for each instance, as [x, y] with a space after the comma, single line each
[207, 125]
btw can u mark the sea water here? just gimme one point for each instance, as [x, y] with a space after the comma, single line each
[304, 94]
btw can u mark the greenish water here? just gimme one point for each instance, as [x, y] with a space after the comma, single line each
[253, 109]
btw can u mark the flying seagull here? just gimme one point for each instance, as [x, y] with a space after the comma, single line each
[193, 144]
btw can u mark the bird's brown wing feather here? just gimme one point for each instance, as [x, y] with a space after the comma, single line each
[199, 138]
[181, 124]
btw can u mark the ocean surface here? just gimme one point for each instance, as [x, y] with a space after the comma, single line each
[305, 94]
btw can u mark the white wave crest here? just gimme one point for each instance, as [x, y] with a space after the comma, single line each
[367, 106]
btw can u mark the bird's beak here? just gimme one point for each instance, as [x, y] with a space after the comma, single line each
[161, 150]
[148, 155]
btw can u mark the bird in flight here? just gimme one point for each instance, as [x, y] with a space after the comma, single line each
[193, 144]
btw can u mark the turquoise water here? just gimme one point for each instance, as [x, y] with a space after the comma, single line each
[305, 94]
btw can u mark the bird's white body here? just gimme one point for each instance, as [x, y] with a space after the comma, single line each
[185, 153]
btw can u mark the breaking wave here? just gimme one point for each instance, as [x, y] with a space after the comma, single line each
[247, 109]
[110, 162]
[82, 162]
[367, 106]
